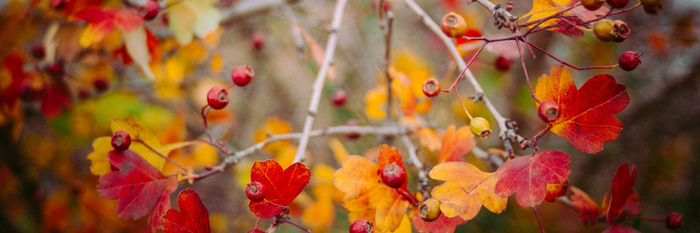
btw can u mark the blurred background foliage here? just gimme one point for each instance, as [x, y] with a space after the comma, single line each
[45, 137]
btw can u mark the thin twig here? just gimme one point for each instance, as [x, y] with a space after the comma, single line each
[320, 79]
[538, 219]
[422, 176]
[387, 52]
[160, 154]
[460, 62]
[296, 33]
[570, 65]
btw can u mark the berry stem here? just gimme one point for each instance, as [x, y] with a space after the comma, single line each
[160, 154]
[650, 218]
[538, 219]
[320, 79]
[284, 220]
[462, 103]
[410, 198]
[570, 65]
[527, 77]
[460, 62]
[454, 84]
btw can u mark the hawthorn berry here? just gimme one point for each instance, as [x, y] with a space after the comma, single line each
[56, 70]
[503, 63]
[592, 5]
[241, 75]
[217, 97]
[480, 127]
[431, 87]
[255, 191]
[674, 220]
[429, 210]
[256, 231]
[651, 3]
[620, 31]
[352, 122]
[618, 3]
[101, 84]
[121, 140]
[361, 226]
[652, 10]
[149, 10]
[629, 60]
[38, 51]
[258, 40]
[338, 97]
[548, 111]
[393, 175]
[603, 30]
[453, 25]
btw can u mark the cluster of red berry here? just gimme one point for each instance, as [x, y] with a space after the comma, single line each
[217, 97]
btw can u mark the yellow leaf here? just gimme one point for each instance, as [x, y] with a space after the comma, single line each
[273, 125]
[137, 48]
[98, 157]
[93, 34]
[136, 131]
[375, 100]
[339, 151]
[405, 226]
[545, 8]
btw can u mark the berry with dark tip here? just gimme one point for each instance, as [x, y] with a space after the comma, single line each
[480, 127]
[393, 175]
[629, 60]
[548, 111]
[431, 88]
[361, 226]
[217, 98]
[242, 75]
[429, 210]
[255, 191]
[453, 25]
[121, 140]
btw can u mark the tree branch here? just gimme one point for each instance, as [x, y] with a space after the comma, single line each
[320, 79]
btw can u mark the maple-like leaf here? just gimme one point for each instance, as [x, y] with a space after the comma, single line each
[622, 188]
[140, 187]
[366, 196]
[455, 144]
[192, 217]
[104, 20]
[443, 224]
[586, 115]
[528, 176]
[546, 8]
[619, 228]
[465, 190]
[281, 186]
[585, 205]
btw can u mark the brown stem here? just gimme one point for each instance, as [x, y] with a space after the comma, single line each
[160, 154]
[570, 65]
[527, 77]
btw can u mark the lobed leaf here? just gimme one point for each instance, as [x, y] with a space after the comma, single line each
[193, 215]
[455, 144]
[586, 115]
[622, 189]
[281, 186]
[465, 190]
[528, 176]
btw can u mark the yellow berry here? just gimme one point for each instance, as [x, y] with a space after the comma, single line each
[429, 210]
[480, 127]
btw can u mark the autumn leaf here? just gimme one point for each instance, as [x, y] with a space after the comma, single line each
[546, 8]
[586, 115]
[104, 20]
[192, 217]
[465, 190]
[455, 144]
[191, 18]
[140, 187]
[366, 196]
[319, 216]
[619, 228]
[441, 225]
[528, 176]
[281, 186]
[585, 205]
[622, 188]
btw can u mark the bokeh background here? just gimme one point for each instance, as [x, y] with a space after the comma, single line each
[45, 175]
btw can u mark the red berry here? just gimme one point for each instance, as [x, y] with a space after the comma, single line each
[618, 3]
[217, 98]
[548, 111]
[83, 94]
[674, 220]
[149, 10]
[101, 84]
[361, 226]
[651, 3]
[241, 75]
[453, 25]
[38, 52]
[338, 97]
[629, 60]
[121, 140]
[56, 70]
[352, 122]
[393, 175]
[431, 87]
[503, 63]
[255, 191]
[652, 10]
[258, 40]
[256, 231]
[592, 5]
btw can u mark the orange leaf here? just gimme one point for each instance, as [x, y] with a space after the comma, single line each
[585, 205]
[465, 190]
[586, 115]
[367, 197]
[455, 144]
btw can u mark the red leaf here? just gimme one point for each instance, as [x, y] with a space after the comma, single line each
[585, 205]
[107, 18]
[140, 187]
[586, 115]
[281, 186]
[528, 176]
[14, 63]
[617, 228]
[441, 225]
[567, 28]
[623, 182]
[193, 216]
[53, 100]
